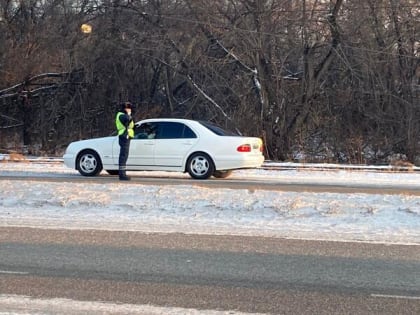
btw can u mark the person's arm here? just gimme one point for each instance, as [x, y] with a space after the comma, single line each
[125, 119]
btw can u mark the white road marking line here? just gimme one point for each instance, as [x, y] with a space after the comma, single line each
[406, 297]
[9, 272]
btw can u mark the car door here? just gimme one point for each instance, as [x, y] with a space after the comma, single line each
[174, 140]
[142, 146]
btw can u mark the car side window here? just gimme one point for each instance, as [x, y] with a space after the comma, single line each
[145, 131]
[174, 130]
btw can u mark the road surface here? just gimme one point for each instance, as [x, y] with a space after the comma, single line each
[250, 184]
[247, 274]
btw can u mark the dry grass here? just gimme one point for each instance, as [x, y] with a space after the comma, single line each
[402, 166]
[14, 157]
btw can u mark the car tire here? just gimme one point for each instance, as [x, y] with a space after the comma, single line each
[200, 166]
[88, 163]
[222, 174]
[112, 172]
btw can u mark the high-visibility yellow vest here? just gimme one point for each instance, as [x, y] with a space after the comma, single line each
[121, 128]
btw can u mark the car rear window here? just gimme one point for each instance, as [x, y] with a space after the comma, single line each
[217, 129]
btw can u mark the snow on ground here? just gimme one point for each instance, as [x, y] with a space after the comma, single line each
[189, 209]
[25, 305]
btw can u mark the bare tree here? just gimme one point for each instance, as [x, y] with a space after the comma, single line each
[335, 80]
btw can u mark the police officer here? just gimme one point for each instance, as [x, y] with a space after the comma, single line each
[125, 125]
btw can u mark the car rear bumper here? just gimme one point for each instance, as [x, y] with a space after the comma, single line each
[246, 162]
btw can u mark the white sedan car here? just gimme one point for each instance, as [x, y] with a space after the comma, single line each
[180, 145]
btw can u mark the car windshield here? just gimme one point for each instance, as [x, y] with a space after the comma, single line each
[217, 129]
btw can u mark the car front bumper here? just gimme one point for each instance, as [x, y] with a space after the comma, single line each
[69, 160]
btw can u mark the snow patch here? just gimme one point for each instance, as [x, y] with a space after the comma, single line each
[190, 209]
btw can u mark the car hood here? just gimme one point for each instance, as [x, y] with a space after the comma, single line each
[95, 140]
[96, 143]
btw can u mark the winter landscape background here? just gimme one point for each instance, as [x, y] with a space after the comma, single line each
[39, 193]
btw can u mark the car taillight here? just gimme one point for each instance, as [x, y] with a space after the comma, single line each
[244, 148]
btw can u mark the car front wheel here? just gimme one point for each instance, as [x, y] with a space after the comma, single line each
[200, 166]
[88, 163]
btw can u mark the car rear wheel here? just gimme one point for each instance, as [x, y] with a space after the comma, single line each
[88, 163]
[200, 166]
[222, 174]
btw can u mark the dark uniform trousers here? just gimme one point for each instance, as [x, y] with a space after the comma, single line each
[124, 149]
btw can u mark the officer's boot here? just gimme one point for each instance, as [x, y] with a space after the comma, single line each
[122, 173]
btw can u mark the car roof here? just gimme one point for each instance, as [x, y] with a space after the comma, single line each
[203, 126]
[180, 120]
[168, 119]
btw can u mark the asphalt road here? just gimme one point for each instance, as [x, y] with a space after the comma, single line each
[249, 274]
[272, 184]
